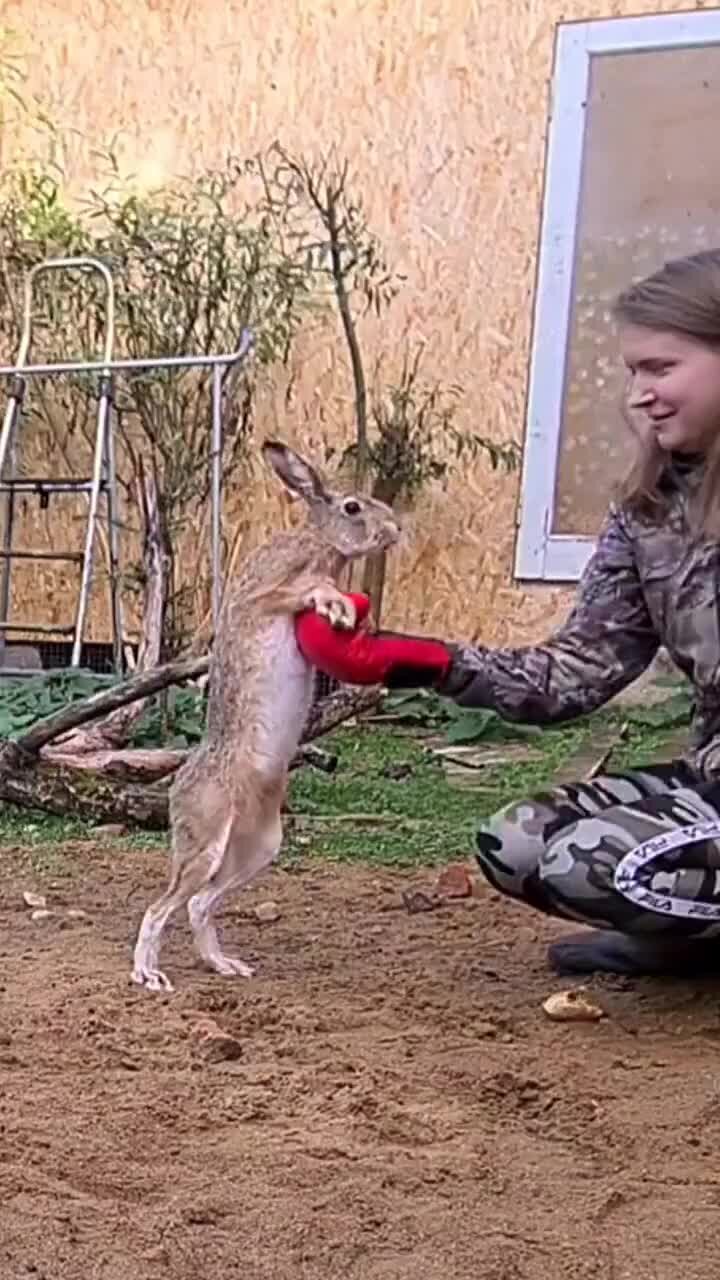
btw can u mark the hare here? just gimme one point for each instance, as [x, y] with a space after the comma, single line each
[226, 799]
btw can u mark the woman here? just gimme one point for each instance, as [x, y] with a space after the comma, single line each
[581, 852]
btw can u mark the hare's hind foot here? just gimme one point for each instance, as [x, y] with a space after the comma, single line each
[245, 857]
[190, 871]
[145, 971]
[200, 910]
[229, 966]
[151, 979]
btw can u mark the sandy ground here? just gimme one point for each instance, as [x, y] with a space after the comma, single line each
[386, 1100]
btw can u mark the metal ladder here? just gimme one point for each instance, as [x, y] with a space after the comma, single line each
[100, 484]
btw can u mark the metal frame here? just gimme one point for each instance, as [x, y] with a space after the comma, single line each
[540, 554]
[104, 454]
[102, 482]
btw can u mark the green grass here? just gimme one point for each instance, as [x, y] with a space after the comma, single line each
[406, 810]
[430, 819]
[427, 818]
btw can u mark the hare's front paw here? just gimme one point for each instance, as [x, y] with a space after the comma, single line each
[337, 608]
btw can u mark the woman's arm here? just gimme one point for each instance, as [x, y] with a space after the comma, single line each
[606, 642]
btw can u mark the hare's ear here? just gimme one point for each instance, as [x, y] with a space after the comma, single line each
[297, 475]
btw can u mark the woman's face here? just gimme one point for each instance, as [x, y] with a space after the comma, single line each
[674, 386]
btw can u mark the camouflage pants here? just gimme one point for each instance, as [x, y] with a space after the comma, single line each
[638, 852]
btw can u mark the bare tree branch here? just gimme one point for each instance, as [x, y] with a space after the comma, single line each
[137, 686]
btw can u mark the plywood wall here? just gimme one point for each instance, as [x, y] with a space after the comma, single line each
[441, 108]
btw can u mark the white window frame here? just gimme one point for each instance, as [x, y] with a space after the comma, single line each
[540, 554]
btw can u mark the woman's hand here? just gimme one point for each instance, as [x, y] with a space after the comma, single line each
[364, 657]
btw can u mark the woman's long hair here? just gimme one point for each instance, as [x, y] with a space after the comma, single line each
[682, 297]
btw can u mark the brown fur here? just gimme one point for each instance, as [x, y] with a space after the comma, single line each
[226, 800]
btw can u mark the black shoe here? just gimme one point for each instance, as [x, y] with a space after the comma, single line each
[636, 957]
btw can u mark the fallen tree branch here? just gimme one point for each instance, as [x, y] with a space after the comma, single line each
[141, 765]
[149, 765]
[344, 704]
[55, 788]
[325, 714]
[111, 794]
[131, 786]
[136, 686]
[152, 764]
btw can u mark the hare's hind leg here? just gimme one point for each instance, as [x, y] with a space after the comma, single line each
[191, 869]
[247, 854]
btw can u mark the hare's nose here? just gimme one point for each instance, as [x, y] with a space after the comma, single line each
[393, 530]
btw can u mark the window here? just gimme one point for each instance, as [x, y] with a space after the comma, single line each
[632, 178]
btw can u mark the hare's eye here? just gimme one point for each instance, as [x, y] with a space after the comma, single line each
[351, 507]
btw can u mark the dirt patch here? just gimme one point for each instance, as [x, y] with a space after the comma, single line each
[386, 1100]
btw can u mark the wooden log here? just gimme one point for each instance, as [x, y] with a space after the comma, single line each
[131, 786]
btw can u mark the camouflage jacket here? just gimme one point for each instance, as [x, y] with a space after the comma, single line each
[646, 585]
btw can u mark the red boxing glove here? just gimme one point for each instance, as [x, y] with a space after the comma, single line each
[365, 657]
